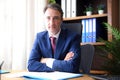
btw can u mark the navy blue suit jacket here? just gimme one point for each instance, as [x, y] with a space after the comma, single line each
[67, 41]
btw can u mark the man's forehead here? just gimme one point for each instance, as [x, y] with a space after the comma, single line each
[52, 11]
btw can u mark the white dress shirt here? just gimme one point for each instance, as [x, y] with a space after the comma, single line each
[49, 62]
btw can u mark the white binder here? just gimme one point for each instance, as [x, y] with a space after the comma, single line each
[63, 6]
[74, 7]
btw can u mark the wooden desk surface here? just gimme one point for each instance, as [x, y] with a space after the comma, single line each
[85, 77]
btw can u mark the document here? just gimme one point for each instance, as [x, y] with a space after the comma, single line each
[45, 75]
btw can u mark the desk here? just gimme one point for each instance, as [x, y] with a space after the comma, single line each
[85, 77]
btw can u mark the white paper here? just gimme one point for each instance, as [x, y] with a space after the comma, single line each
[45, 75]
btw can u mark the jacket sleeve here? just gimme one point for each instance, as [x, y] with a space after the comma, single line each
[73, 64]
[34, 63]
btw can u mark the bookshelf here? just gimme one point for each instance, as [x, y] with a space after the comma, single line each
[111, 15]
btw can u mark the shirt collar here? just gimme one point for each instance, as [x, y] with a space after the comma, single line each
[56, 35]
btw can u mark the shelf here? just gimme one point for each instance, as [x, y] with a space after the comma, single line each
[110, 16]
[95, 43]
[99, 72]
[85, 17]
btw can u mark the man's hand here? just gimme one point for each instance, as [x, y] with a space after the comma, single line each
[69, 56]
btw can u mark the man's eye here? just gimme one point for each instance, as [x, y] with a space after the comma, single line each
[56, 18]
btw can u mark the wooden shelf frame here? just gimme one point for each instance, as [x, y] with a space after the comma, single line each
[95, 43]
[112, 16]
[86, 17]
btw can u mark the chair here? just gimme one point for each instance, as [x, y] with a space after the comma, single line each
[76, 27]
[87, 54]
[87, 50]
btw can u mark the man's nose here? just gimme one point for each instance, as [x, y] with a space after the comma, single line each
[51, 21]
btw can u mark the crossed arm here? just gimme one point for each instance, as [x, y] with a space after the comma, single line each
[67, 57]
[70, 62]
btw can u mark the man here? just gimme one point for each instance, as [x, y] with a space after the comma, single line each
[66, 56]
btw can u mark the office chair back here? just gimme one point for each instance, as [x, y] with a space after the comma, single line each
[76, 27]
[87, 51]
[87, 54]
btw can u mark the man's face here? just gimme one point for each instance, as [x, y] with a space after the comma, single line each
[52, 20]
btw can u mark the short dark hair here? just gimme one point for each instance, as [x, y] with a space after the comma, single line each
[54, 6]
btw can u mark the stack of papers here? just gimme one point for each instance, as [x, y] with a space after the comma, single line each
[45, 75]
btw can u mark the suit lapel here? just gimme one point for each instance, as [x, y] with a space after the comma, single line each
[48, 46]
[60, 44]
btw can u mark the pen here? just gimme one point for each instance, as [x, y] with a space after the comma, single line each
[1, 64]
